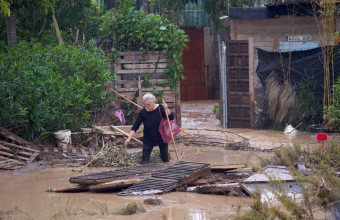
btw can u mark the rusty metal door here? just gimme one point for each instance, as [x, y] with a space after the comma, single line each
[193, 86]
[238, 84]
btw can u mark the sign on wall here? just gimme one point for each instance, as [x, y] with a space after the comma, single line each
[299, 38]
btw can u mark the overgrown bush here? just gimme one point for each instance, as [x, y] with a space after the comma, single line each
[308, 107]
[333, 112]
[45, 89]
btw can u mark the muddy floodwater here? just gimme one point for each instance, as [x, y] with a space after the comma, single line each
[26, 191]
[23, 196]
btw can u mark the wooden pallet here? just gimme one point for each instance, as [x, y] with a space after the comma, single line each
[107, 176]
[132, 66]
[168, 179]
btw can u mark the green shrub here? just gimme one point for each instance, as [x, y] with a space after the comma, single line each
[333, 112]
[45, 89]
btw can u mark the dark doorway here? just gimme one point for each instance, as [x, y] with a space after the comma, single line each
[193, 87]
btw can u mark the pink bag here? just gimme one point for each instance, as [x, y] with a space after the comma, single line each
[164, 128]
[120, 115]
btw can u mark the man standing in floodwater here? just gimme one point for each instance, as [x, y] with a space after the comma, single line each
[150, 116]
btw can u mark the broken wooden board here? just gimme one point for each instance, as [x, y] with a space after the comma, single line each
[10, 164]
[107, 176]
[6, 133]
[125, 133]
[73, 189]
[116, 184]
[221, 168]
[169, 179]
[225, 188]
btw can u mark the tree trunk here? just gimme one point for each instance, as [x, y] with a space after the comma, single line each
[11, 30]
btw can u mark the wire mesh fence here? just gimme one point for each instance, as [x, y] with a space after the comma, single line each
[290, 86]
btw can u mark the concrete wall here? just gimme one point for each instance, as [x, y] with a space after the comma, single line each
[269, 32]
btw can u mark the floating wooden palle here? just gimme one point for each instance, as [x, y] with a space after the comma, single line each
[169, 179]
[107, 176]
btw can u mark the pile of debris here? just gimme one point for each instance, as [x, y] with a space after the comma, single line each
[214, 137]
[150, 179]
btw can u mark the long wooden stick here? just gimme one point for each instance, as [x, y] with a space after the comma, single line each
[172, 136]
[126, 134]
[126, 98]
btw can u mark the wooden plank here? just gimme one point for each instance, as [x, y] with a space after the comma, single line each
[137, 66]
[11, 156]
[138, 53]
[140, 57]
[226, 167]
[69, 189]
[134, 82]
[16, 138]
[140, 71]
[214, 188]
[10, 159]
[126, 134]
[22, 153]
[19, 146]
[130, 88]
[10, 165]
[123, 183]
[120, 61]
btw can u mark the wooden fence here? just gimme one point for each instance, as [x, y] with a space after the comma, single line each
[131, 67]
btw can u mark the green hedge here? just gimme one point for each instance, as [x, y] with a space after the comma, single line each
[45, 89]
[333, 112]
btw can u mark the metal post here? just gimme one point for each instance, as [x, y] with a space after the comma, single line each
[224, 87]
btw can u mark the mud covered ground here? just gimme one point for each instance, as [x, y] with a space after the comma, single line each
[23, 193]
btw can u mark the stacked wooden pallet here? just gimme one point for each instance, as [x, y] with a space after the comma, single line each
[15, 152]
[132, 67]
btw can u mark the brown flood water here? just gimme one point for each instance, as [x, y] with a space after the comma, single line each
[27, 191]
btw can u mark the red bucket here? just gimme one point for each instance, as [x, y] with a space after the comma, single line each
[321, 137]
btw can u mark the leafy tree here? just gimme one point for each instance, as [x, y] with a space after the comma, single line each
[4, 7]
[11, 7]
